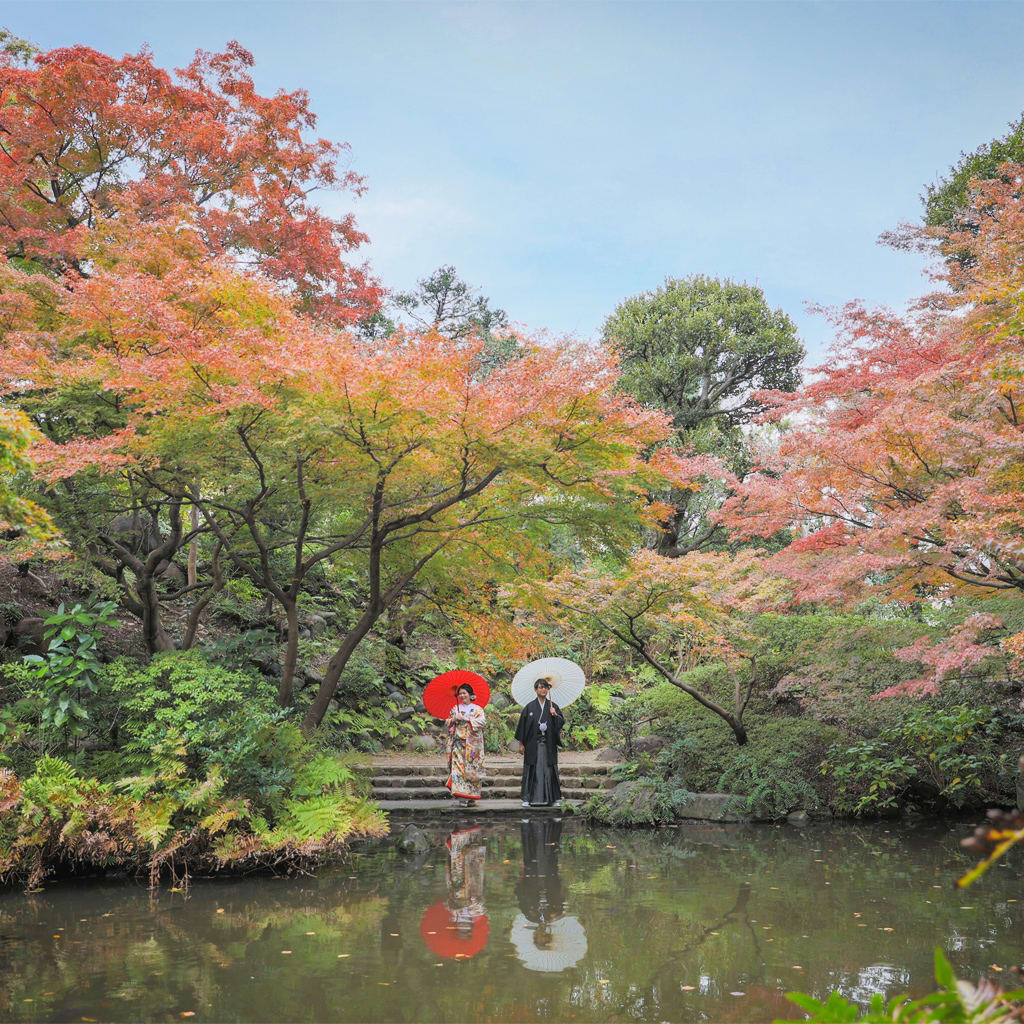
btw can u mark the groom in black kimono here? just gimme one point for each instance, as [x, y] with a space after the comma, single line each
[540, 735]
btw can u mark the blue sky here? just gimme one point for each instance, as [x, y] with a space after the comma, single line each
[566, 155]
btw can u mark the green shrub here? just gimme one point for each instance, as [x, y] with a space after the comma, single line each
[954, 755]
[66, 676]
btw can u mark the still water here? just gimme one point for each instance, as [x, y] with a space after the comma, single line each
[538, 919]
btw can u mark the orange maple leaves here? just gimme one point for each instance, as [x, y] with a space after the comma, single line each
[902, 469]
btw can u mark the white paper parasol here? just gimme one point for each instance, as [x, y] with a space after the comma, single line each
[551, 947]
[567, 680]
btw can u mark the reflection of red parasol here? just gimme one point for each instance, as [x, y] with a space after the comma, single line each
[445, 937]
[439, 695]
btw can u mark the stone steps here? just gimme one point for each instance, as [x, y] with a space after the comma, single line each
[415, 785]
[489, 782]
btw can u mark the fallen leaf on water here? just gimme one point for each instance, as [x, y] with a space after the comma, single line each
[797, 967]
[311, 933]
[341, 956]
[766, 927]
[383, 982]
[220, 910]
[687, 988]
[393, 935]
[603, 981]
[56, 936]
[187, 1013]
[506, 862]
[886, 929]
[89, 1018]
[967, 908]
[715, 933]
[737, 993]
[285, 951]
[224, 964]
[995, 967]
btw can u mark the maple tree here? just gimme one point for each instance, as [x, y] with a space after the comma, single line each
[902, 470]
[404, 457]
[302, 447]
[28, 527]
[86, 138]
[675, 613]
[191, 192]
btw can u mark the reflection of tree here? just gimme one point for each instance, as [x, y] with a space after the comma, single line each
[668, 972]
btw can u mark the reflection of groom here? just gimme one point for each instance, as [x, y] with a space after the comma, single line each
[539, 892]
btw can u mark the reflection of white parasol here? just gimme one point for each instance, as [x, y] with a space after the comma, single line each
[551, 947]
[567, 680]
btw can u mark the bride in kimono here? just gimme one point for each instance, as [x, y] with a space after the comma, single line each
[465, 746]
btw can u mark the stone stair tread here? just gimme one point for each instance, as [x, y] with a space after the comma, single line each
[414, 781]
[449, 806]
[422, 796]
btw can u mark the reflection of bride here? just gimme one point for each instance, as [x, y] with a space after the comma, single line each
[545, 938]
[458, 927]
[466, 875]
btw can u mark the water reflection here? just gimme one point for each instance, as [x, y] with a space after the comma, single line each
[699, 923]
[545, 939]
[458, 927]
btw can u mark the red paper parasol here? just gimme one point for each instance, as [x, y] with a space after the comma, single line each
[439, 695]
[444, 936]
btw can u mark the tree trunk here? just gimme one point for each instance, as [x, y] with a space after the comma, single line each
[153, 631]
[316, 712]
[193, 547]
[291, 654]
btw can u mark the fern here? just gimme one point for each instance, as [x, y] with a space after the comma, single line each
[321, 775]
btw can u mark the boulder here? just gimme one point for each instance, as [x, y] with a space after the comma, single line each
[404, 714]
[616, 701]
[316, 624]
[711, 807]
[649, 744]
[609, 754]
[170, 571]
[798, 818]
[422, 744]
[500, 701]
[413, 840]
[631, 802]
[28, 633]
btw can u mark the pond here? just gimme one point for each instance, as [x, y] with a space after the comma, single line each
[540, 919]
